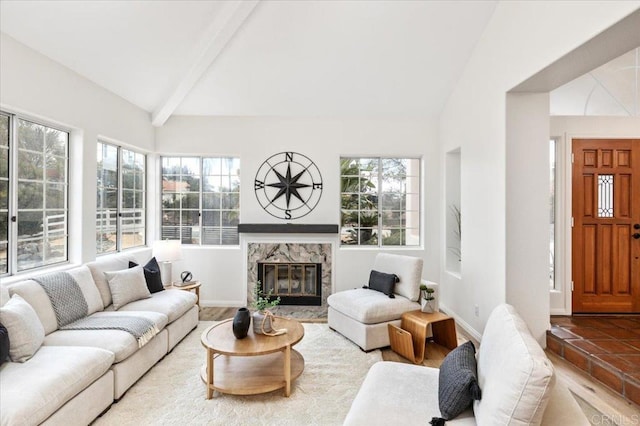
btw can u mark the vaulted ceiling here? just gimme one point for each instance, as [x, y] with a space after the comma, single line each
[282, 58]
[277, 58]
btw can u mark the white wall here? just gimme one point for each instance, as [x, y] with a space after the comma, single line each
[521, 39]
[32, 84]
[323, 141]
[564, 129]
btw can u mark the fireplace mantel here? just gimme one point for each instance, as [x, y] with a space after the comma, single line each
[287, 228]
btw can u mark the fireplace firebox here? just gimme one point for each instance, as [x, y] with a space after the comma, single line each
[296, 283]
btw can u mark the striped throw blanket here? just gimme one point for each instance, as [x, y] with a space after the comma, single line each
[71, 310]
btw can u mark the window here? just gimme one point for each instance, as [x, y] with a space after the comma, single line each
[4, 193]
[121, 205]
[33, 194]
[201, 200]
[380, 201]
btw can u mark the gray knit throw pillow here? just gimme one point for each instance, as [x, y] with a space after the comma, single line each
[458, 381]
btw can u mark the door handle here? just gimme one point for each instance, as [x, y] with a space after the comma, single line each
[636, 226]
[636, 235]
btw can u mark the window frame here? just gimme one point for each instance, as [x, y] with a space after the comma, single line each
[380, 209]
[13, 267]
[202, 210]
[120, 189]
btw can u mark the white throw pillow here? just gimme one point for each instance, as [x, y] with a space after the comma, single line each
[127, 286]
[26, 332]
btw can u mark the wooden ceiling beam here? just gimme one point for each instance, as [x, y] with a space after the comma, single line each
[215, 38]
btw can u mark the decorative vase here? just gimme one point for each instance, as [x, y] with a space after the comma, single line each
[426, 306]
[260, 318]
[241, 322]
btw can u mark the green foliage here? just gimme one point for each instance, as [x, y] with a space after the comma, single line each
[457, 230]
[262, 301]
[427, 292]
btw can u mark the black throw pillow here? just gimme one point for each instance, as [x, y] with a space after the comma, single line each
[382, 282]
[458, 381]
[4, 344]
[151, 275]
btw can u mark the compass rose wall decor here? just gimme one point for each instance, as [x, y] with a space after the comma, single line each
[288, 185]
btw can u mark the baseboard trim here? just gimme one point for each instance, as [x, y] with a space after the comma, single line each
[222, 303]
[461, 323]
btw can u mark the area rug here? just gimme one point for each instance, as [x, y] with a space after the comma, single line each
[172, 393]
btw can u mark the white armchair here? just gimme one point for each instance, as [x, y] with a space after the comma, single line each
[362, 315]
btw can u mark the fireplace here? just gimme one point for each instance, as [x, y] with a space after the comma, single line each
[309, 260]
[295, 283]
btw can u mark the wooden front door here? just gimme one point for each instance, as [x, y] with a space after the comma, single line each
[606, 226]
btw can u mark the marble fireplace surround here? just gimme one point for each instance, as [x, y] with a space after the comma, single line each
[292, 251]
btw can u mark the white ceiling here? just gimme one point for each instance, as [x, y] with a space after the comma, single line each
[287, 58]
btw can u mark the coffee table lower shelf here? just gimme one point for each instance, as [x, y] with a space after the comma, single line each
[250, 375]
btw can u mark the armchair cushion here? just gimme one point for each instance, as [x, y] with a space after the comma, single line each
[370, 307]
[384, 283]
[407, 268]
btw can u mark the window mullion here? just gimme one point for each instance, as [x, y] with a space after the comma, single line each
[12, 246]
[200, 200]
[119, 200]
[379, 198]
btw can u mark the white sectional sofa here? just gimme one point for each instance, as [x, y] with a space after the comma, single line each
[515, 376]
[76, 374]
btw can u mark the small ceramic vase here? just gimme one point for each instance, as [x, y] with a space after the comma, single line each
[241, 323]
[261, 325]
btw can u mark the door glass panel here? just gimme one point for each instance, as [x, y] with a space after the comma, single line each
[605, 195]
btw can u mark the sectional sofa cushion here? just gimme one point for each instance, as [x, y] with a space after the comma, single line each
[407, 268]
[32, 391]
[4, 344]
[172, 303]
[370, 307]
[23, 326]
[83, 277]
[35, 296]
[151, 275]
[121, 343]
[4, 294]
[107, 264]
[127, 286]
[514, 373]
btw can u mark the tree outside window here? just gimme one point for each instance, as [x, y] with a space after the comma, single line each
[201, 200]
[121, 199]
[33, 231]
[380, 201]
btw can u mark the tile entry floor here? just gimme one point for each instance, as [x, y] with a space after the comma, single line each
[607, 348]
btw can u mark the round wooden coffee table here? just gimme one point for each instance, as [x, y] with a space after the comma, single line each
[254, 364]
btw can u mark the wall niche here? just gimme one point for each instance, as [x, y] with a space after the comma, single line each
[453, 213]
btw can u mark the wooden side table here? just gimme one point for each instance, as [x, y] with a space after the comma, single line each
[409, 339]
[192, 285]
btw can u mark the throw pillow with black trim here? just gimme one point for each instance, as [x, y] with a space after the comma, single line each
[458, 381]
[4, 344]
[383, 282]
[151, 275]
